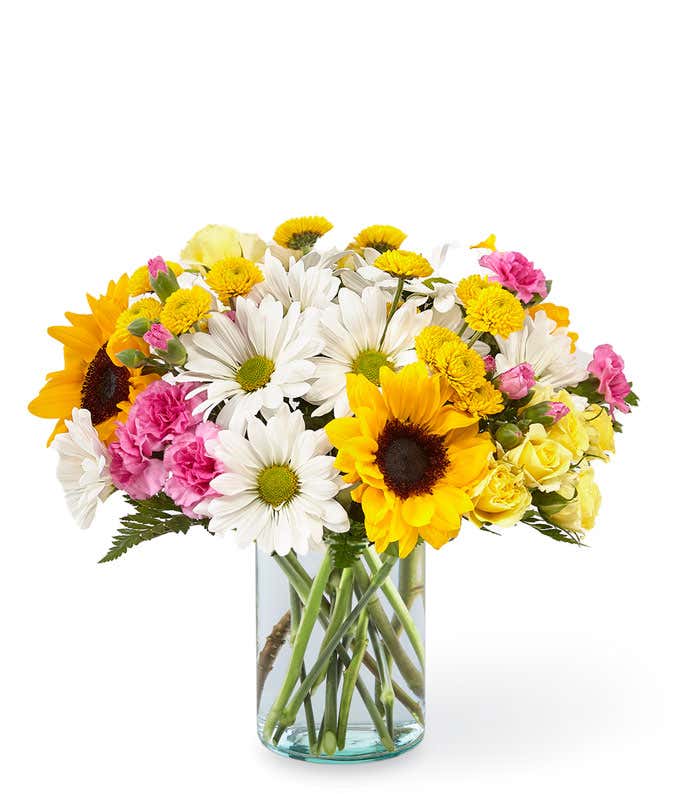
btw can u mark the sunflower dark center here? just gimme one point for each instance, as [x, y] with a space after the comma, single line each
[411, 460]
[104, 386]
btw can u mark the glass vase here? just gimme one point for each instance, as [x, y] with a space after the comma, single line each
[340, 654]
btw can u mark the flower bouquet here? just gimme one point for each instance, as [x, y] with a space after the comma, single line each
[340, 409]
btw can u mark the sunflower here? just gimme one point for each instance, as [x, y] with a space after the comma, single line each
[414, 459]
[380, 238]
[90, 379]
[300, 234]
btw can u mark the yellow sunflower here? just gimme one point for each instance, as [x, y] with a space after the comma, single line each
[415, 459]
[90, 379]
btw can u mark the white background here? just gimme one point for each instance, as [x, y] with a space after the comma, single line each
[127, 126]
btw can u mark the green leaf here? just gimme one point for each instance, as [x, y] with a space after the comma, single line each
[347, 547]
[632, 398]
[151, 518]
[542, 524]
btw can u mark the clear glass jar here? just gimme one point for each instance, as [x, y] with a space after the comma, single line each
[340, 655]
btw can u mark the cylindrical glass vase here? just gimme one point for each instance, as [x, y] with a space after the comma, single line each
[340, 654]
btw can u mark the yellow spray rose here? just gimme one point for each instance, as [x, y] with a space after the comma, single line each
[572, 430]
[214, 242]
[600, 431]
[543, 460]
[501, 498]
[580, 512]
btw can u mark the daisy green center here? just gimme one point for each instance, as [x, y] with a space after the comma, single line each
[254, 373]
[277, 485]
[368, 363]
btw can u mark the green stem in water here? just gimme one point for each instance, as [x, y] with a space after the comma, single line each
[400, 609]
[302, 583]
[343, 599]
[386, 690]
[295, 615]
[329, 740]
[291, 710]
[351, 677]
[394, 307]
[412, 676]
[309, 617]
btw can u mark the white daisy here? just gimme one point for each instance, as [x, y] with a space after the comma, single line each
[83, 468]
[547, 348]
[253, 362]
[352, 342]
[280, 487]
[312, 287]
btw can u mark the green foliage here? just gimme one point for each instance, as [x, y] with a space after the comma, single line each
[632, 398]
[347, 547]
[588, 389]
[151, 518]
[539, 522]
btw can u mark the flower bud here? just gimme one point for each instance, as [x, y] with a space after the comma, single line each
[131, 358]
[176, 353]
[164, 284]
[509, 436]
[517, 381]
[139, 326]
[545, 413]
[158, 336]
[157, 265]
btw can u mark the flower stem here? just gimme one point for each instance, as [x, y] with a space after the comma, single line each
[412, 676]
[341, 605]
[400, 609]
[393, 307]
[385, 690]
[351, 677]
[302, 581]
[290, 711]
[309, 617]
[329, 741]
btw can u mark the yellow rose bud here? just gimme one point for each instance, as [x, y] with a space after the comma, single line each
[501, 498]
[580, 512]
[543, 461]
[572, 430]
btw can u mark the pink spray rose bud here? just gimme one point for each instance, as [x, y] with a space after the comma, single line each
[157, 336]
[489, 363]
[557, 410]
[157, 265]
[607, 367]
[516, 273]
[517, 381]
[231, 314]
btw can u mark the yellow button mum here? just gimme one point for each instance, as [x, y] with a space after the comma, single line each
[414, 459]
[495, 310]
[380, 238]
[469, 287]
[404, 263]
[300, 234]
[233, 276]
[446, 354]
[184, 308]
[122, 339]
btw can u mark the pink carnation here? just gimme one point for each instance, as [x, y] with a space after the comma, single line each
[160, 414]
[515, 272]
[489, 363]
[131, 470]
[157, 265]
[191, 468]
[517, 381]
[557, 410]
[607, 367]
[157, 336]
